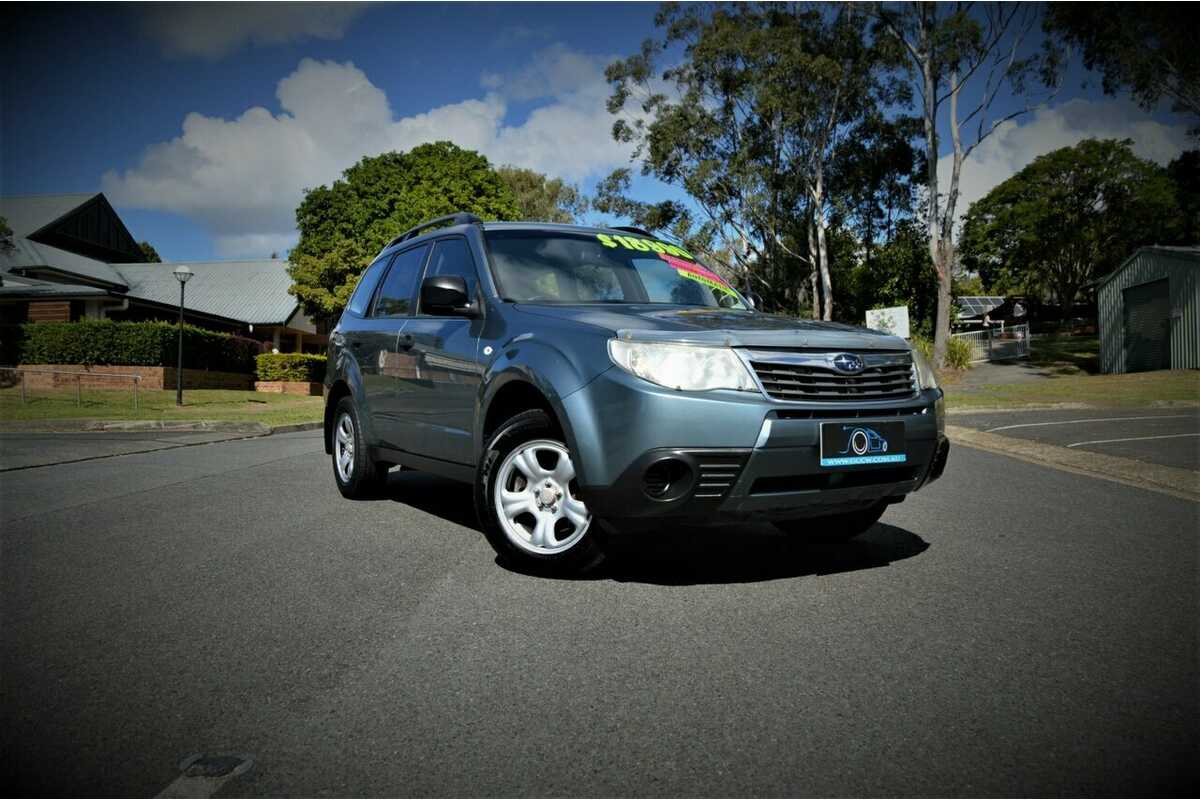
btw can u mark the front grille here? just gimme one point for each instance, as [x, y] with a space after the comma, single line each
[889, 378]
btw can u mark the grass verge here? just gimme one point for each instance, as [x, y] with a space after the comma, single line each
[1116, 391]
[199, 404]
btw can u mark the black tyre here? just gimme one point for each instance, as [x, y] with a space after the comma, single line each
[527, 501]
[358, 478]
[834, 528]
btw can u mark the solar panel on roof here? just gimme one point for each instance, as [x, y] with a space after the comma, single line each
[977, 306]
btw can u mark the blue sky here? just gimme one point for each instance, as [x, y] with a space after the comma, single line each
[204, 123]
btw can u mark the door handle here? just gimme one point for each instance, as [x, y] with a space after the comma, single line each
[406, 341]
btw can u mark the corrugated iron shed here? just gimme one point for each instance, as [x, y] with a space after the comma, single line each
[1152, 298]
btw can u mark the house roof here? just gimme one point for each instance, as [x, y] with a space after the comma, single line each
[27, 214]
[32, 288]
[28, 254]
[254, 292]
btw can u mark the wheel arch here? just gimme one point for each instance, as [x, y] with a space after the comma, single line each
[336, 392]
[509, 395]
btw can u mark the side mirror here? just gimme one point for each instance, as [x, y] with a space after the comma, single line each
[446, 294]
[756, 301]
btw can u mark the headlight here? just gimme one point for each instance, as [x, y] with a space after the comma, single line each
[680, 366]
[925, 374]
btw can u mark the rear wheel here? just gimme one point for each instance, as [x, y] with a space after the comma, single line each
[357, 476]
[835, 527]
[526, 494]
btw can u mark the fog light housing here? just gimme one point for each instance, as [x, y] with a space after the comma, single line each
[666, 479]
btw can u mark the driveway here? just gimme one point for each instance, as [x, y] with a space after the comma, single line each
[1012, 630]
[1170, 437]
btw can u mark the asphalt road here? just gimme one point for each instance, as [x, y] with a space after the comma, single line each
[1169, 436]
[1011, 630]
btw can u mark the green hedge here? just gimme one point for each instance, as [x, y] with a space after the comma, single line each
[104, 342]
[291, 367]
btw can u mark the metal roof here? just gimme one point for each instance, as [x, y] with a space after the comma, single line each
[28, 254]
[19, 286]
[254, 292]
[1188, 252]
[30, 213]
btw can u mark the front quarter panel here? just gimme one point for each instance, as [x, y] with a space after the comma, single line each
[555, 361]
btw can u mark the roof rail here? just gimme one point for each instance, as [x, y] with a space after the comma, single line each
[459, 218]
[631, 229]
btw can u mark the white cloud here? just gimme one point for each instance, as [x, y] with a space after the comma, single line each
[242, 178]
[553, 71]
[212, 30]
[1013, 146]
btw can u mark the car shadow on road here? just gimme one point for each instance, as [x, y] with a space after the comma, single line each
[685, 556]
[748, 553]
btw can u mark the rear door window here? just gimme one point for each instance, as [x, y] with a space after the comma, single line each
[396, 295]
[361, 299]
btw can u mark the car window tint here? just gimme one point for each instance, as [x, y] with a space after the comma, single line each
[395, 297]
[366, 287]
[453, 257]
[533, 267]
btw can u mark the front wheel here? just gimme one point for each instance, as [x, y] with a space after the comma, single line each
[526, 494]
[835, 527]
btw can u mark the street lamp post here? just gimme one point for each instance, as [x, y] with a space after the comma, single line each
[183, 275]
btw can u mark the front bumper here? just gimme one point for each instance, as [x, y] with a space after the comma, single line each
[742, 455]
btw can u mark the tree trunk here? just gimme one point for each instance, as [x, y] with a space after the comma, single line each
[822, 250]
[813, 261]
[941, 325]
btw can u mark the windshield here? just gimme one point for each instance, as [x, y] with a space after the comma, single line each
[554, 267]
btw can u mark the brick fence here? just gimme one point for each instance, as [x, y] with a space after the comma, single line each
[289, 387]
[152, 377]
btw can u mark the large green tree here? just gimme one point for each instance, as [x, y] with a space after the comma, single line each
[542, 198]
[343, 226]
[1148, 49]
[748, 122]
[1067, 218]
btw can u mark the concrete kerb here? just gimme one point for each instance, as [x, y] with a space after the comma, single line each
[153, 426]
[1157, 404]
[1174, 481]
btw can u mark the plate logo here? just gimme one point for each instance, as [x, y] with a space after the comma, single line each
[848, 363]
[863, 441]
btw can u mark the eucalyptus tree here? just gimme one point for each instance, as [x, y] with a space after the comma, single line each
[749, 118]
[960, 56]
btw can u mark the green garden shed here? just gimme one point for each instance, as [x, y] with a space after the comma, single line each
[1149, 311]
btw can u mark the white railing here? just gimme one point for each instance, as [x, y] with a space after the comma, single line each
[79, 376]
[997, 345]
[978, 340]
